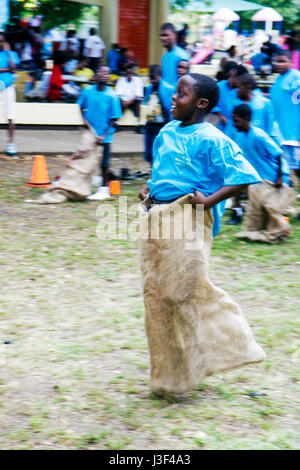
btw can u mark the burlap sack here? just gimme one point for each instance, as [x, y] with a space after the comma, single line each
[194, 328]
[264, 221]
[75, 182]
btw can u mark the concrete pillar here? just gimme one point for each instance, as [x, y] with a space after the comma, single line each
[159, 11]
[109, 22]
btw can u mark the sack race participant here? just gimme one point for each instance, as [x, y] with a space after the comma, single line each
[194, 329]
[272, 198]
[75, 183]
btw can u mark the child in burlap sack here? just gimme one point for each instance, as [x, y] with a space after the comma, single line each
[75, 182]
[194, 328]
[272, 198]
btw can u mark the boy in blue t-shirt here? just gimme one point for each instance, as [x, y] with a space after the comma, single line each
[191, 155]
[174, 54]
[100, 107]
[285, 96]
[8, 62]
[158, 97]
[271, 198]
[194, 329]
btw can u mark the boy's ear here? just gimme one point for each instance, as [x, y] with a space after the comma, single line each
[202, 103]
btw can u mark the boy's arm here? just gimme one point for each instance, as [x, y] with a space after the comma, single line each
[144, 192]
[223, 193]
[101, 138]
[222, 118]
[278, 183]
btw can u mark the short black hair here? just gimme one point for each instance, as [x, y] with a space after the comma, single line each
[244, 111]
[241, 70]
[168, 26]
[206, 87]
[155, 70]
[247, 79]
[229, 65]
[284, 53]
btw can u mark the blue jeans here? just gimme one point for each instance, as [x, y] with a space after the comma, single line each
[105, 155]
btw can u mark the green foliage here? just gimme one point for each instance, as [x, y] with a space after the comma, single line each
[54, 13]
[289, 9]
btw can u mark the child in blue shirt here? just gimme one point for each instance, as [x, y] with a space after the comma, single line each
[174, 54]
[193, 327]
[8, 62]
[269, 199]
[100, 107]
[285, 96]
[158, 97]
[191, 155]
[261, 107]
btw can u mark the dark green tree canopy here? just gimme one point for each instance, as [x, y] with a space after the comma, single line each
[55, 12]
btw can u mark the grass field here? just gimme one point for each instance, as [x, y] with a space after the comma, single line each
[74, 372]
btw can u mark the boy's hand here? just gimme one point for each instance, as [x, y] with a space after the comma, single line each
[279, 181]
[198, 198]
[144, 193]
[100, 139]
[6, 46]
[223, 120]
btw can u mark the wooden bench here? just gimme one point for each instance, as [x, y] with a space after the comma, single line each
[61, 114]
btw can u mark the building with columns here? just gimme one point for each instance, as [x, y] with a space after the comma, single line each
[133, 24]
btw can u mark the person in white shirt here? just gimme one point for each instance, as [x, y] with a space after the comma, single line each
[131, 92]
[94, 49]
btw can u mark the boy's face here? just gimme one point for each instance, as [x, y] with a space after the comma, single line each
[185, 104]
[182, 68]
[244, 90]
[241, 124]
[232, 78]
[129, 74]
[154, 79]
[282, 64]
[167, 38]
[102, 75]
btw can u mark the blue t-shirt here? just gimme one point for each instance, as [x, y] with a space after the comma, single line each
[169, 64]
[99, 107]
[7, 78]
[262, 115]
[260, 59]
[262, 153]
[224, 105]
[285, 96]
[197, 157]
[113, 58]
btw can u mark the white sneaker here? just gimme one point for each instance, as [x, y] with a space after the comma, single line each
[102, 193]
[11, 149]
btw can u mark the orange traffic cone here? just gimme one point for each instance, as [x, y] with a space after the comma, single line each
[114, 188]
[39, 176]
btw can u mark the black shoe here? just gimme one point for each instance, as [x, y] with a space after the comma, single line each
[125, 175]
